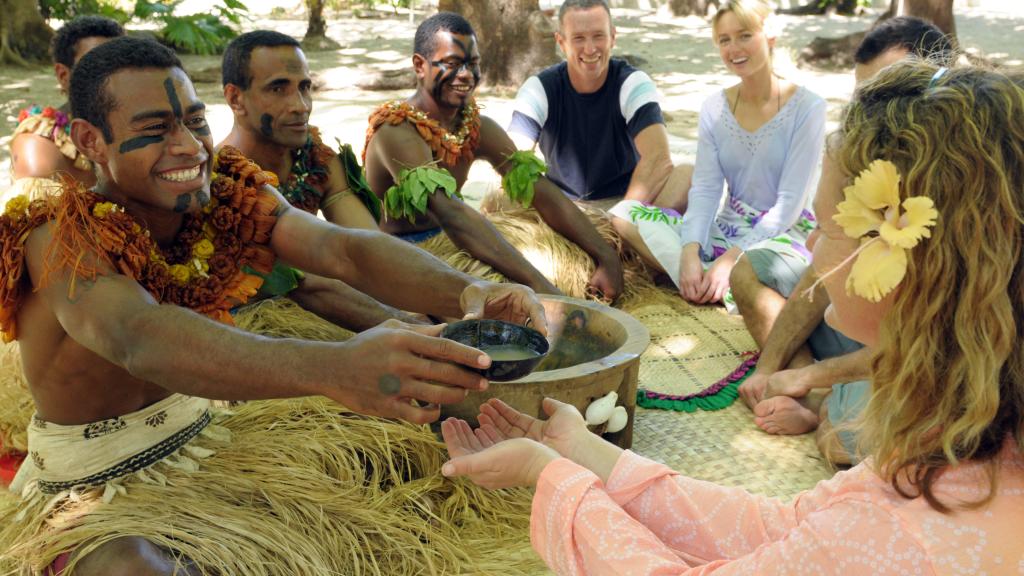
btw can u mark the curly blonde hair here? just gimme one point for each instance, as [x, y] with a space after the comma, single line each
[948, 374]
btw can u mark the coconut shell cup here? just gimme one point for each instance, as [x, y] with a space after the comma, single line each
[482, 334]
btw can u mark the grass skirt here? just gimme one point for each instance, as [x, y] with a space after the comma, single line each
[300, 488]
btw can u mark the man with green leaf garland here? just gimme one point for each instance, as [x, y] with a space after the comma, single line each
[268, 87]
[418, 153]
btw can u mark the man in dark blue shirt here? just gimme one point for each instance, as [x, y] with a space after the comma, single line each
[596, 118]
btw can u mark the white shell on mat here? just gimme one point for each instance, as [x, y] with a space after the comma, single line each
[618, 420]
[600, 410]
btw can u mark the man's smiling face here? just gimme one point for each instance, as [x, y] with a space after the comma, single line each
[452, 73]
[586, 38]
[161, 148]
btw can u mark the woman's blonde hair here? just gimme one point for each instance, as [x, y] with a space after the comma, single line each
[948, 374]
[753, 15]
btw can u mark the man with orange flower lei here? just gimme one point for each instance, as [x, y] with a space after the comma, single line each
[418, 153]
[269, 90]
[41, 144]
[120, 299]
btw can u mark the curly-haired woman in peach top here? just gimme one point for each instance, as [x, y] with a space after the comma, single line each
[922, 253]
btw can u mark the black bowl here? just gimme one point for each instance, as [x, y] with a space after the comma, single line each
[482, 334]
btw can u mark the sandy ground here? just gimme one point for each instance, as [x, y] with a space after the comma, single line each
[676, 52]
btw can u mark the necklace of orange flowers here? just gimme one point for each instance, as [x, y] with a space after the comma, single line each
[448, 148]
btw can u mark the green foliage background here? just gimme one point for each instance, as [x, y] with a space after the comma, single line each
[193, 34]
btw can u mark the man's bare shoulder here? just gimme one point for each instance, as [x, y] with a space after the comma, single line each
[35, 156]
[391, 136]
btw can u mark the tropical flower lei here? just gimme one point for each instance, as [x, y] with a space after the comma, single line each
[304, 188]
[886, 228]
[52, 124]
[202, 269]
[448, 148]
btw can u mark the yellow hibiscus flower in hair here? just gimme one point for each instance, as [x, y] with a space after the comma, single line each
[872, 211]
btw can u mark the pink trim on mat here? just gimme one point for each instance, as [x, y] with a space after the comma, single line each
[749, 361]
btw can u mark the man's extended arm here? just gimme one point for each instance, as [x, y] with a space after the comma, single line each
[558, 211]
[184, 352]
[345, 306]
[398, 148]
[340, 205]
[394, 271]
[655, 164]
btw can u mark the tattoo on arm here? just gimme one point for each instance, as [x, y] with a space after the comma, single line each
[389, 384]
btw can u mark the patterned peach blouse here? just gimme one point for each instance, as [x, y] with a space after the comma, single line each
[651, 520]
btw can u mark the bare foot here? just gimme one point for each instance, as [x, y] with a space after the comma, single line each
[784, 415]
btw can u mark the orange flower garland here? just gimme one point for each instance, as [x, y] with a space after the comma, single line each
[200, 270]
[448, 148]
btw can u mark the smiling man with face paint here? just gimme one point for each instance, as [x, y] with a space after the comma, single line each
[120, 299]
[269, 90]
[435, 135]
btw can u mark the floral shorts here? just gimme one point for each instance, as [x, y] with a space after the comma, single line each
[660, 230]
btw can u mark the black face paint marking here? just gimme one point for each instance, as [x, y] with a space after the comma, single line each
[266, 125]
[172, 97]
[446, 75]
[440, 79]
[182, 203]
[203, 130]
[139, 142]
[203, 197]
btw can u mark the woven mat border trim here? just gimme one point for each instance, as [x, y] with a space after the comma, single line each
[719, 395]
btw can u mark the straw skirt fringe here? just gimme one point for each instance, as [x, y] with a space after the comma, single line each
[16, 406]
[301, 488]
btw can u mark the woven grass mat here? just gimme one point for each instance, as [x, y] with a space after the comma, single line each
[692, 347]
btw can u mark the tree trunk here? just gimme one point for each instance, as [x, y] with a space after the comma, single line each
[839, 52]
[938, 12]
[316, 39]
[816, 7]
[24, 34]
[317, 26]
[691, 7]
[516, 39]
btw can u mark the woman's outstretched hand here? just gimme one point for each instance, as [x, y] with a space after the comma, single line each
[503, 464]
[562, 430]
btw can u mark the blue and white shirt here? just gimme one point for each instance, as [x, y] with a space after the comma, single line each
[587, 139]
